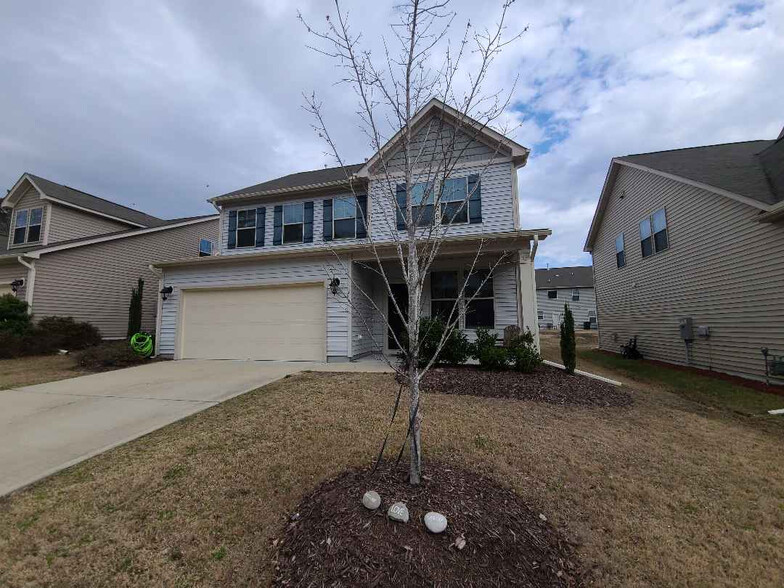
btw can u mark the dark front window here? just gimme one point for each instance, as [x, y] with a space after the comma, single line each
[454, 203]
[293, 220]
[444, 290]
[344, 215]
[552, 293]
[480, 304]
[246, 228]
[27, 226]
[422, 204]
[620, 254]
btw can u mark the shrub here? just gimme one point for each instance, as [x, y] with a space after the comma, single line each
[489, 355]
[64, 332]
[568, 342]
[455, 350]
[523, 353]
[13, 315]
[112, 354]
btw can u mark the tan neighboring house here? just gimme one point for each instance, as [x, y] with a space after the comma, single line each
[688, 256]
[69, 253]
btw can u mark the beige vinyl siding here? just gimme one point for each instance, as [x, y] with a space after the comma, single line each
[723, 269]
[261, 273]
[68, 223]
[93, 283]
[11, 272]
[30, 199]
[580, 309]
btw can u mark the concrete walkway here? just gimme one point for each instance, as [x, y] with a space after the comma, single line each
[49, 427]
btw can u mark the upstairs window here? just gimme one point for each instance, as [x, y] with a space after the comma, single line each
[293, 223]
[552, 293]
[620, 254]
[205, 248]
[246, 228]
[575, 294]
[454, 205]
[344, 213]
[27, 226]
[653, 233]
[480, 312]
[422, 204]
[540, 315]
[444, 290]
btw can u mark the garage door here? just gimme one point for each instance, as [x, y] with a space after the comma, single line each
[287, 323]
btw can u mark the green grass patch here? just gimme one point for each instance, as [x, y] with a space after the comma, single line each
[706, 390]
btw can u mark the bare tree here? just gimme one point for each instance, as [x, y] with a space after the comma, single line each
[420, 63]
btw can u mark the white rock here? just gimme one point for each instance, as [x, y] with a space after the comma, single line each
[371, 500]
[435, 522]
[541, 516]
[398, 512]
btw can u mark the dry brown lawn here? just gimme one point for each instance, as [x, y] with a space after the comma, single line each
[661, 493]
[26, 371]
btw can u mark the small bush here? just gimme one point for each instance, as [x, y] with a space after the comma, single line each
[455, 351]
[63, 332]
[13, 315]
[523, 353]
[568, 341]
[489, 355]
[114, 354]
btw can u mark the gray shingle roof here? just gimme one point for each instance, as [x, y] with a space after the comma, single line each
[564, 277]
[100, 205]
[734, 167]
[298, 180]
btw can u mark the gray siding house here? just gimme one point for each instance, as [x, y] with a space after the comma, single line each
[688, 255]
[69, 253]
[296, 278]
[571, 286]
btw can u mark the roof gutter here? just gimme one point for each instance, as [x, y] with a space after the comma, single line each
[775, 214]
[30, 282]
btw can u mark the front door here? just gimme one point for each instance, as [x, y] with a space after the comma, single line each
[396, 323]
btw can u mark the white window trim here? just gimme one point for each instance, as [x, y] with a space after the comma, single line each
[212, 247]
[623, 250]
[575, 291]
[652, 237]
[335, 218]
[464, 209]
[237, 229]
[302, 222]
[13, 227]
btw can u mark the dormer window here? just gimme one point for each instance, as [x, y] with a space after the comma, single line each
[27, 226]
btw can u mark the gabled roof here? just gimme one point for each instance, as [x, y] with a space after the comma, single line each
[82, 200]
[307, 180]
[580, 276]
[742, 171]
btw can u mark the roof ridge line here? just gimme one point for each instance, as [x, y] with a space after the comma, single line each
[693, 147]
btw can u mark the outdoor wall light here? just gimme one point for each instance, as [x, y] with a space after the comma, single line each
[334, 284]
[16, 284]
[166, 291]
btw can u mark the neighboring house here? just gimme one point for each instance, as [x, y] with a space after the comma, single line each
[572, 286]
[68, 253]
[294, 256]
[693, 235]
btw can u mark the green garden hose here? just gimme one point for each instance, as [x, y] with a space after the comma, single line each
[141, 343]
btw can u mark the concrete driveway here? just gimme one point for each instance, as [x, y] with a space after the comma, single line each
[48, 427]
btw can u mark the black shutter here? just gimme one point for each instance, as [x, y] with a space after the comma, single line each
[475, 200]
[401, 207]
[261, 224]
[232, 229]
[328, 219]
[361, 216]
[307, 229]
[277, 225]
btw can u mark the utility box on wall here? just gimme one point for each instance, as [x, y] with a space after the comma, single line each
[686, 328]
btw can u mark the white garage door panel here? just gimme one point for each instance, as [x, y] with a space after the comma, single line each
[285, 323]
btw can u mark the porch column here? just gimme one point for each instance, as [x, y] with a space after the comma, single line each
[528, 309]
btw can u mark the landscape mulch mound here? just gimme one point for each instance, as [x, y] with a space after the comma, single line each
[333, 540]
[545, 384]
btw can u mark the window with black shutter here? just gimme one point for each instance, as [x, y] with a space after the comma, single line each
[293, 223]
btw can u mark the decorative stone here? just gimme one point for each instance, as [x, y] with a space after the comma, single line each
[371, 500]
[398, 512]
[435, 522]
[541, 516]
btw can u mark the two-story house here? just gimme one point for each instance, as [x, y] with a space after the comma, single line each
[69, 253]
[298, 271]
[688, 255]
[565, 286]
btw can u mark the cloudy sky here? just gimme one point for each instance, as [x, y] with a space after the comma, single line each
[160, 105]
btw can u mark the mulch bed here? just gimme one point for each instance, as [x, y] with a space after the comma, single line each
[333, 540]
[546, 384]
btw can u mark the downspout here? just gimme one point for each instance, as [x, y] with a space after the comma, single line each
[30, 284]
[159, 309]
